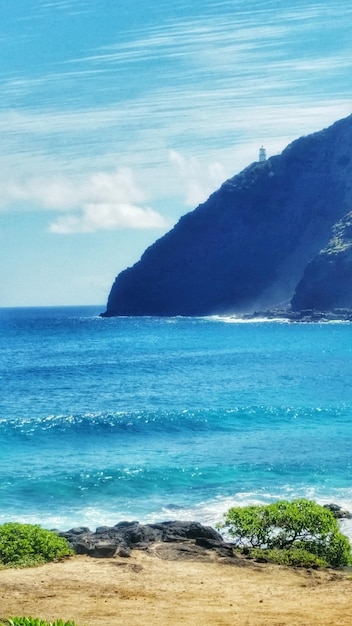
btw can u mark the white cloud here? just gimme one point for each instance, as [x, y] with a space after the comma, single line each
[48, 193]
[103, 216]
[198, 180]
[69, 6]
[104, 201]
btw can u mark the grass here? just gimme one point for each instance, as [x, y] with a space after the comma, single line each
[32, 621]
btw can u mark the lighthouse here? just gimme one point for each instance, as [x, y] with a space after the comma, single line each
[262, 155]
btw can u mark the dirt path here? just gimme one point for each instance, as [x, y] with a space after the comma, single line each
[144, 590]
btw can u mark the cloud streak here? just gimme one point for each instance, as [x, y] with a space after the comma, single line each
[102, 202]
[211, 87]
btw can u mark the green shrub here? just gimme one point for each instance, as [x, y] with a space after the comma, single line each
[33, 621]
[300, 525]
[25, 545]
[295, 557]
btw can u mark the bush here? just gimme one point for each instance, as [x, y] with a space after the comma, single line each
[32, 621]
[290, 526]
[25, 545]
[295, 557]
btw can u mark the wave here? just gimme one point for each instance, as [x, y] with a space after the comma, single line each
[93, 512]
[243, 319]
[237, 418]
[287, 316]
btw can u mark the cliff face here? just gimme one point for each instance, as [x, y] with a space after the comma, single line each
[248, 245]
[327, 280]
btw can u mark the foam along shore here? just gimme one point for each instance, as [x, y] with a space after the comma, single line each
[304, 316]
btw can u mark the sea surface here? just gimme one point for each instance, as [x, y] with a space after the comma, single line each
[103, 420]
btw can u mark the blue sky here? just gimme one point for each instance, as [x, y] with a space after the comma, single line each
[119, 116]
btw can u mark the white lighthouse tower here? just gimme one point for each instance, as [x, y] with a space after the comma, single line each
[262, 155]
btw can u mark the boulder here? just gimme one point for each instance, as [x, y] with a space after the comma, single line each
[338, 511]
[124, 536]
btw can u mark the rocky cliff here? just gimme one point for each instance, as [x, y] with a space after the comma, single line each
[248, 245]
[327, 280]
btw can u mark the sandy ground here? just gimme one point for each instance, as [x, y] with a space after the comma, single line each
[147, 590]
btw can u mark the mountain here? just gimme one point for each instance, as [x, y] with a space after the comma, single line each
[248, 245]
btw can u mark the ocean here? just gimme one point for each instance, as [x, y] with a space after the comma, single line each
[152, 419]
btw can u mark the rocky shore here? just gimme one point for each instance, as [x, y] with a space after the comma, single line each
[177, 573]
[184, 539]
[304, 316]
[175, 583]
[175, 539]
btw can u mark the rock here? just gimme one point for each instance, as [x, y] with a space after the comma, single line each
[121, 538]
[222, 549]
[302, 316]
[187, 530]
[81, 546]
[123, 552]
[246, 247]
[338, 511]
[103, 549]
[185, 551]
[79, 530]
[204, 542]
[102, 529]
[133, 534]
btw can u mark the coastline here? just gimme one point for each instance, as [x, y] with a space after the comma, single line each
[306, 316]
[174, 573]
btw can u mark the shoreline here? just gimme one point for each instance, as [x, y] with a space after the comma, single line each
[306, 316]
[193, 538]
[175, 573]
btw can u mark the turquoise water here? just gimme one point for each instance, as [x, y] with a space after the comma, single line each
[173, 418]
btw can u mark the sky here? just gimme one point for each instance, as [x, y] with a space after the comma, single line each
[117, 117]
